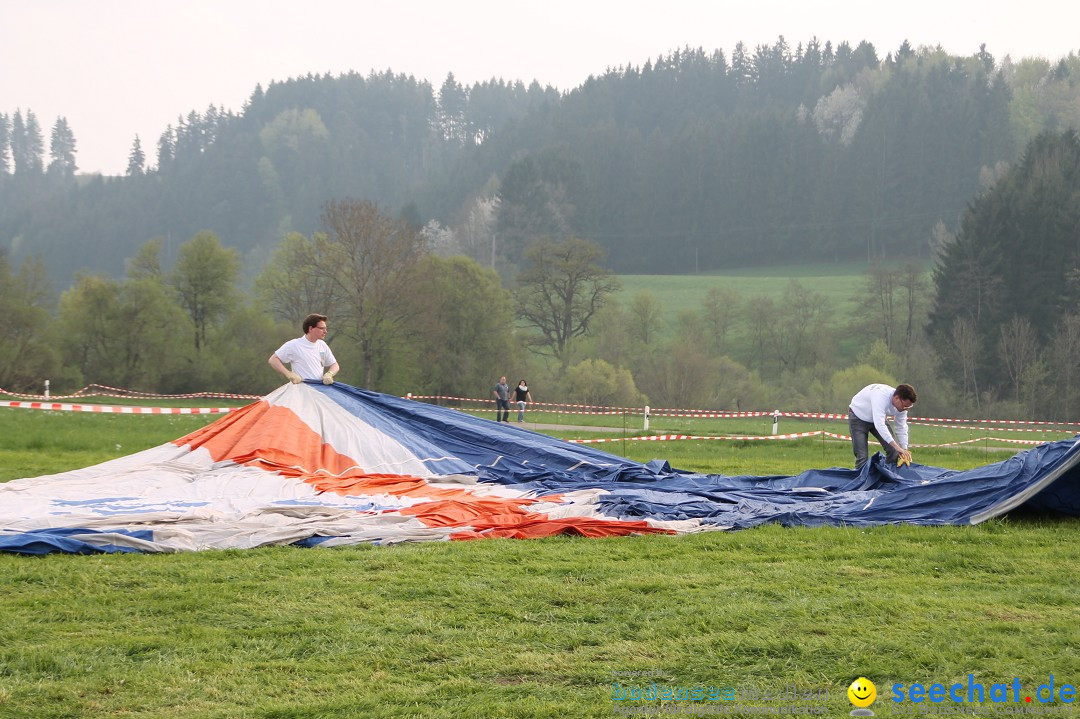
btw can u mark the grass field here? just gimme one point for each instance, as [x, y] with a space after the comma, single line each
[505, 628]
[839, 283]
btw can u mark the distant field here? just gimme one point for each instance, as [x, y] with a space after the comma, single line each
[841, 284]
[838, 282]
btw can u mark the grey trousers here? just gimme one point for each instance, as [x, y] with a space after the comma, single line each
[860, 441]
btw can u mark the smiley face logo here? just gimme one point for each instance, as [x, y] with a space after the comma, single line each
[862, 692]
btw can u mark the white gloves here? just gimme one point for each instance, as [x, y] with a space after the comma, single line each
[328, 378]
[293, 377]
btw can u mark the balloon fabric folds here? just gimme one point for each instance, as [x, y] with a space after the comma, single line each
[329, 465]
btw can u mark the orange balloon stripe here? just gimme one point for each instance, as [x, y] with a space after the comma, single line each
[270, 435]
[274, 438]
[542, 527]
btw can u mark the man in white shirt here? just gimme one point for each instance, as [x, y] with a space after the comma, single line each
[309, 356]
[867, 414]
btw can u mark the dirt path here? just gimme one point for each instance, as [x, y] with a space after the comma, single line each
[568, 427]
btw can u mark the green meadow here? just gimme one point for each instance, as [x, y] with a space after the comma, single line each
[547, 628]
[839, 283]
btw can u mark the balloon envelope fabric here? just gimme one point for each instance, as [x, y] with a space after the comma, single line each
[317, 465]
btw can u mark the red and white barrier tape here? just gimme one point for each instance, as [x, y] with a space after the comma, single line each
[101, 390]
[675, 437]
[193, 395]
[566, 408]
[692, 414]
[796, 435]
[1001, 421]
[513, 406]
[1030, 442]
[106, 409]
[815, 415]
[986, 429]
[600, 409]
[120, 409]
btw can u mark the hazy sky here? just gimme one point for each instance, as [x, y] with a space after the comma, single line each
[117, 68]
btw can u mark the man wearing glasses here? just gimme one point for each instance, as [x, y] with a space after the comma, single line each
[867, 414]
[309, 356]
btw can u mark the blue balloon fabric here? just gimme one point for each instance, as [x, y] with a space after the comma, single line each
[326, 465]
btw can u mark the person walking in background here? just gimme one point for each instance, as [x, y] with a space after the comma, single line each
[867, 413]
[522, 397]
[502, 400]
[309, 356]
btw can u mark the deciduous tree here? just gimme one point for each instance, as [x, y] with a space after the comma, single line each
[719, 310]
[146, 264]
[595, 382]
[1018, 350]
[1064, 359]
[129, 334]
[560, 290]
[965, 347]
[367, 257]
[26, 355]
[802, 338]
[205, 279]
[645, 319]
[462, 334]
[293, 283]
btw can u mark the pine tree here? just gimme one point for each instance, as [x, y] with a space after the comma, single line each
[452, 105]
[1014, 253]
[35, 144]
[20, 162]
[62, 149]
[166, 148]
[136, 159]
[5, 144]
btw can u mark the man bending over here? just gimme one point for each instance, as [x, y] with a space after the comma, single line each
[867, 414]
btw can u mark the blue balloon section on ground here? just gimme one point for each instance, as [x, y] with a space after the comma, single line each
[1045, 477]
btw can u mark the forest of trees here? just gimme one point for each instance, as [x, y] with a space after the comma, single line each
[691, 162]
[181, 274]
[1007, 307]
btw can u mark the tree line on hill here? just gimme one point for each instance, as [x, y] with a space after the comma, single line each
[694, 161]
[690, 162]
[401, 317]
[995, 331]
